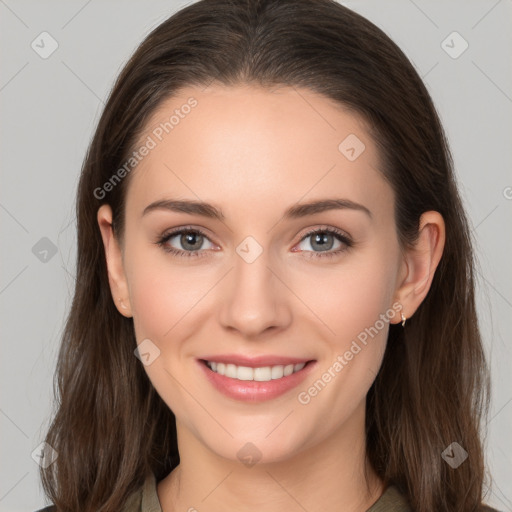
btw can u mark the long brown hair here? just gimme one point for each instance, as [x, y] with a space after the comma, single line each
[111, 428]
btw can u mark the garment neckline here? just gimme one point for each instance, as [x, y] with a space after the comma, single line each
[390, 499]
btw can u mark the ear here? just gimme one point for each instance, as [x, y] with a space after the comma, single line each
[115, 266]
[420, 263]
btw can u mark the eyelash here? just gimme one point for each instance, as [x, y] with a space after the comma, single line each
[339, 235]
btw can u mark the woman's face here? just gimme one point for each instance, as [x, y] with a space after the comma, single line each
[252, 281]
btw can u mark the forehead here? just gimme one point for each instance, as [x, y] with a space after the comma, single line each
[243, 144]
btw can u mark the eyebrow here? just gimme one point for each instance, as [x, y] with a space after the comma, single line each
[294, 212]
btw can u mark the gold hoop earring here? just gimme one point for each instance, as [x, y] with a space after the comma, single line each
[403, 319]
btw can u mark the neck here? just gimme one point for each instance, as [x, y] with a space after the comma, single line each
[328, 476]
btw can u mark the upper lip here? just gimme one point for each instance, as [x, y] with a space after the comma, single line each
[254, 361]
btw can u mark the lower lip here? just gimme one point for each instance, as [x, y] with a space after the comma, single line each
[255, 391]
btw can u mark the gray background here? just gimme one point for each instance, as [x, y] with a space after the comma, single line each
[50, 108]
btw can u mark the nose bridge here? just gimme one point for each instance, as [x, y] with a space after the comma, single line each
[252, 301]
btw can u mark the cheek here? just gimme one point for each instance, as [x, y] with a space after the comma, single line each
[154, 299]
[352, 355]
[162, 292]
[354, 302]
[163, 296]
[349, 297]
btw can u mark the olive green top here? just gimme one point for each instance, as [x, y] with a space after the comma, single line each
[146, 500]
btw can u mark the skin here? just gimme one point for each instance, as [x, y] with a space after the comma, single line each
[253, 153]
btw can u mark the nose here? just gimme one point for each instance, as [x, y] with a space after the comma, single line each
[254, 299]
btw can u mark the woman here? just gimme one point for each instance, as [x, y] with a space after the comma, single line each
[275, 305]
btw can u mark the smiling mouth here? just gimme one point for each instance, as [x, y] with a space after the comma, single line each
[258, 374]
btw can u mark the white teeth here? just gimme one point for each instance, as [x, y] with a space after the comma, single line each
[244, 373]
[277, 372]
[288, 370]
[230, 371]
[261, 374]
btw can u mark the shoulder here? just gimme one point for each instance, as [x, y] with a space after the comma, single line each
[392, 500]
[132, 505]
[134, 502]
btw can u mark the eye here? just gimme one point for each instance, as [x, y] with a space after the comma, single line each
[324, 239]
[190, 239]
